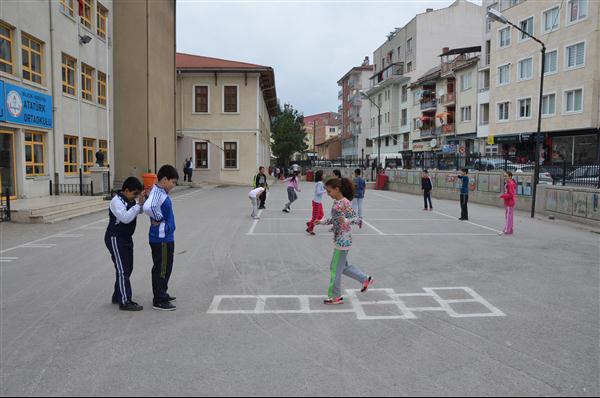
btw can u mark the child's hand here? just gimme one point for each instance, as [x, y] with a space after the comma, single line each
[142, 198]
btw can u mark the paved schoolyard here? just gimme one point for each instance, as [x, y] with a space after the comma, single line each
[456, 309]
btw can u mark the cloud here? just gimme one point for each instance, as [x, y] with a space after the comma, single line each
[310, 44]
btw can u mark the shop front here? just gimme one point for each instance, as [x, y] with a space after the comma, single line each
[580, 149]
[520, 147]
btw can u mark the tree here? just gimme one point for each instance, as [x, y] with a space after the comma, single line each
[288, 133]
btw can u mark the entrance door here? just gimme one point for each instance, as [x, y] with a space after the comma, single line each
[7, 163]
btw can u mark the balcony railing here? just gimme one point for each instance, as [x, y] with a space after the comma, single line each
[340, 94]
[448, 128]
[429, 104]
[428, 131]
[484, 89]
[448, 99]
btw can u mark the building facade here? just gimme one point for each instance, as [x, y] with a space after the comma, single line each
[354, 111]
[56, 92]
[570, 108]
[224, 111]
[326, 125]
[408, 53]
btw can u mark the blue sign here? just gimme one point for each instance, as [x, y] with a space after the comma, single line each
[28, 107]
[2, 106]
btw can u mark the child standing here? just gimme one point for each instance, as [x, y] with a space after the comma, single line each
[509, 197]
[426, 187]
[261, 178]
[464, 195]
[162, 236]
[360, 186]
[342, 217]
[317, 204]
[254, 196]
[119, 242]
[292, 188]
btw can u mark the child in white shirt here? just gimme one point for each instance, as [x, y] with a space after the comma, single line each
[254, 195]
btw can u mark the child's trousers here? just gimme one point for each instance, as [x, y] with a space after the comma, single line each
[339, 267]
[317, 214]
[121, 252]
[162, 256]
[357, 205]
[510, 217]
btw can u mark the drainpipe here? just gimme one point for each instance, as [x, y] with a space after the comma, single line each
[108, 77]
[55, 146]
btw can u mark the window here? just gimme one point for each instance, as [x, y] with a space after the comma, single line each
[527, 26]
[465, 82]
[34, 154]
[409, 48]
[551, 64]
[416, 123]
[88, 154]
[387, 141]
[551, 20]
[332, 129]
[526, 69]
[404, 117]
[399, 53]
[69, 69]
[70, 158]
[577, 10]
[87, 77]
[101, 88]
[503, 111]
[6, 49]
[404, 93]
[31, 50]
[103, 147]
[201, 155]
[484, 81]
[549, 105]
[379, 100]
[465, 114]
[485, 115]
[67, 7]
[409, 67]
[503, 75]
[504, 37]
[86, 17]
[576, 56]
[101, 18]
[230, 154]
[525, 108]
[200, 99]
[230, 100]
[574, 101]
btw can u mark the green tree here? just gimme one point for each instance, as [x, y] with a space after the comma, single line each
[288, 133]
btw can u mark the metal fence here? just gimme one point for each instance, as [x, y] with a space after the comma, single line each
[5, 206]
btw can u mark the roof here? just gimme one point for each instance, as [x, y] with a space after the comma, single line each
[460, 51]
[327, 116]
[188, 63]
[368, 68]
[329, 141]
[431, 74]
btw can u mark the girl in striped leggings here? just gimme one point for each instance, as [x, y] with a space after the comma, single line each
[342, 218]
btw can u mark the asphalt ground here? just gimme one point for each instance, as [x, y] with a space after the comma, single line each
[456, 308]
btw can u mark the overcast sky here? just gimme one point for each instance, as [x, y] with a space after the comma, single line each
[310, 44]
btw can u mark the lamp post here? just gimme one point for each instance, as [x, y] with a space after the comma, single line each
[498, 17]
[365, 95]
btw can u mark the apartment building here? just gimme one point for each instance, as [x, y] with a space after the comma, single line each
[354, 111]
[224, 111]
[408, 53]
[570, 30]
[55, 92]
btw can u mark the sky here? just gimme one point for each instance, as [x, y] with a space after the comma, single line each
[310, 44]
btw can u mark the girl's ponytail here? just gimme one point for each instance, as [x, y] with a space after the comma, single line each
[347, 189]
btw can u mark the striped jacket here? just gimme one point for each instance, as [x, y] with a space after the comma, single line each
[159, 208]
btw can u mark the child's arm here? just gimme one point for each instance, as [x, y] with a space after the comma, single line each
[351, 216]
[119, 209]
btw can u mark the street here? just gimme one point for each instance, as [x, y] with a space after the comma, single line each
[456, 308]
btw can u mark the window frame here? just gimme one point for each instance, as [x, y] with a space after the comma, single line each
[498, 120]
[498, 74]
[585, 47]
[195, 157]
[69, 163]
[102, 85]
[102, 33]
[568, 21]
[463, 110]
[237, 86]
[32, 144]
[194, 111]
[104, 150]
[225, 142]
[68, 10]
[519, 117]
[67, 67]
[548, 115]
[500, 30]
[519, 69]
[550, 73]
[30, 50]
[88, 158]
[87, 5]
[462, 76]
[521, 34]
[84, 82]
[11, 41]
[565, 112]
[543, 19]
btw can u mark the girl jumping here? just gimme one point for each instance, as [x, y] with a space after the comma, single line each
[342, 217]
[292, 188]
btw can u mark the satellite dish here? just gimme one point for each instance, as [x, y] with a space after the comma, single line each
[441, 92]
[433, 143]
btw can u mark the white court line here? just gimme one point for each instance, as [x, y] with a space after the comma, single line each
[254, 224]
[373, 228]
[39, 246]
[377, 234]
[469, 222]
[69, 236]
[370, 219]
[8, 259]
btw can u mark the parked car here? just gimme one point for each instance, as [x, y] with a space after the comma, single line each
[548, 174]
[587, 175]
[493, 165]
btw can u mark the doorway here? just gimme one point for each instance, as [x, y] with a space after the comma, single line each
[7, 163]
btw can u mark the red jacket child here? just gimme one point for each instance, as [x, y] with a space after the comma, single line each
[510, 195]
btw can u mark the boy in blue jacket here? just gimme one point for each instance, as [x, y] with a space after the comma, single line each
[159, 208]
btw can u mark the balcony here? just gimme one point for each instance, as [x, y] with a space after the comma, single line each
[448, 99]
[429, 104]
[459, 61]
[427, 132]
[395, 69]
[340, 109]
[340, 94]
[448, 128]
[356, 119]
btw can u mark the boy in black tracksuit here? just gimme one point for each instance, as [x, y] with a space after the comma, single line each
[118, 239]
[426, 187]
[261, 178]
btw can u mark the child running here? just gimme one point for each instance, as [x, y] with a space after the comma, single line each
[317, 204]
[118, 239]
[342, 217]
[292, 188]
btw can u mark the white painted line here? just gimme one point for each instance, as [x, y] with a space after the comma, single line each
[39, 246]
[370, 219]
[300, 234]
[376, 234]
[373, 228]
[468, 222]
[8, 259]
[254, 224]
[68, 236]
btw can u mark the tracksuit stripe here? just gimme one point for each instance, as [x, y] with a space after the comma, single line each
[334, 266]
[120, 270]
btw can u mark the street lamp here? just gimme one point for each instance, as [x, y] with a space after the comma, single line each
[365, 95]
[497, 16]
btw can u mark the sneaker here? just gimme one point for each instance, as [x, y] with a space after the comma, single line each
[256, 218]
[426, 209]
[334, 301]
[166, 306]
[308, 231]
[367, 285]
[130, 306]
[286, 210]
[171, 299]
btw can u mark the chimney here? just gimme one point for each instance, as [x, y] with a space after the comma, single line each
[366, 61]
[430, 10]
[445, 50]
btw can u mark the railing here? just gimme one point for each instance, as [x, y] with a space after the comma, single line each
[448, 128]
[5, 205]
[449, 98]
[72, 189]
[431, 104]
[340, 94]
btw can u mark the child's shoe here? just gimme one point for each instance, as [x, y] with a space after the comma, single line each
[310, 232]
[367, 285]
[130, 306]
[334, 301]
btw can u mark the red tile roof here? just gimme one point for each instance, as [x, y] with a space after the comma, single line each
[185, 61]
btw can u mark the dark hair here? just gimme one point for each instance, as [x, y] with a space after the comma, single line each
[466, 171]
[344, 185]
[261, 168]
[337, 173]
[426, 171]
[319, 176]
[169, 172]
[132, 184]
[358, 172]
[510, 174]
[262, 185]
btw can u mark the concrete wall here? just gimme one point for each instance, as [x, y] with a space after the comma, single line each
[144, 56]
[569, 203]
